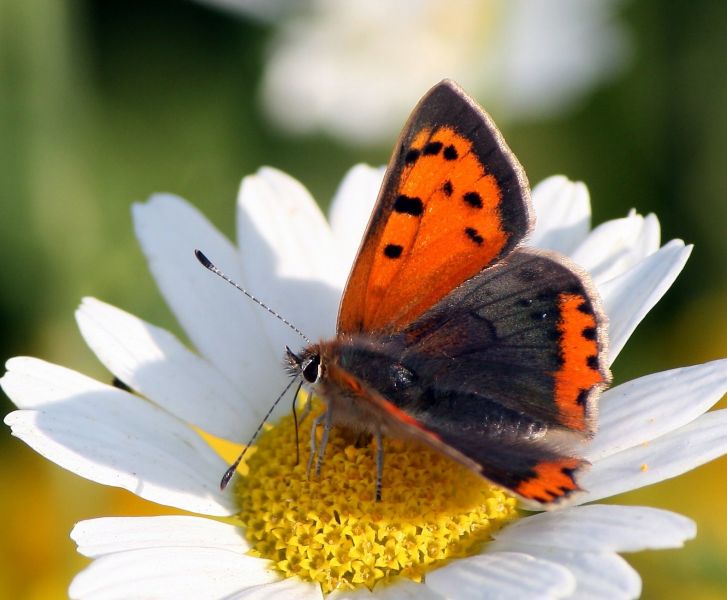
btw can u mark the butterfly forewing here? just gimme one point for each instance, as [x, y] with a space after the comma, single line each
[454, 201]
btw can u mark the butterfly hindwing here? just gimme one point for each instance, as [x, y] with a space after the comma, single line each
[526, 335]
[454, 200]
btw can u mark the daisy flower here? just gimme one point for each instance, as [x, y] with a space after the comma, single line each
[440, 531]
[338, 67]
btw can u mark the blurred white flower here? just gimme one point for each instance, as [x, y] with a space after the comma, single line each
[354, 69]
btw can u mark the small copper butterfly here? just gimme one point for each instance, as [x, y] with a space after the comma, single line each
[449, 331]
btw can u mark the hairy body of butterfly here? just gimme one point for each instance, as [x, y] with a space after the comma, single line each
[448, 332]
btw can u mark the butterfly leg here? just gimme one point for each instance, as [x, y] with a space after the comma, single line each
[324, 440]
[307, 406]
[297, 421]
[314, 427]
[379, 463]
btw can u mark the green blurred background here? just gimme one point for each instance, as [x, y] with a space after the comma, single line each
[103, 103]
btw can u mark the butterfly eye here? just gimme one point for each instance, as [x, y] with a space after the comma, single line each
[312, 369]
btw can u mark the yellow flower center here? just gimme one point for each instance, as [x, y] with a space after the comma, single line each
[329, 529]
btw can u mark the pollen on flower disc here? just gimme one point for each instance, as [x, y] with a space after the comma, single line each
[330, 530]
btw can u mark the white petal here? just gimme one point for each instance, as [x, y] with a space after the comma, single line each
[399, 589]
[174, 573]
[643, 409]
[289, 256]
[507, 575]
[32, 383]
[351, 208]
[563, 214]
[155, 363]
[630, 296]
[291, 588]
[403, 589]
[601, 528]
[615, 246]
[599, 576]
[704, 439]
[112, 437]
[222, 324]
[107, 535]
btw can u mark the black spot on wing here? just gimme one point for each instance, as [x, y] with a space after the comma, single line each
[432, 148]
[412, 156]
[585, 307]
[409, 205]
[473, 199]
[589, 333]
[393, 250]
[450, 153]
[568, 472]
[447, 187]
[592, 361]
[474, 235]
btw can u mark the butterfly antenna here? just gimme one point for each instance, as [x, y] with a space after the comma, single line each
[207, 263]
[233, 467]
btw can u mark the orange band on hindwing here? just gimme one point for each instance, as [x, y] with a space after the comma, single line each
[580, 370]
[552, 480]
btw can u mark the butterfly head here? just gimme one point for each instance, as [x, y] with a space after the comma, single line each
[307, 364]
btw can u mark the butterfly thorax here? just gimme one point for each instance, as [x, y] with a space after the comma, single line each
[346, 374]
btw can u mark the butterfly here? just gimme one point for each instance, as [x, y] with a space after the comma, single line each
[449, 331]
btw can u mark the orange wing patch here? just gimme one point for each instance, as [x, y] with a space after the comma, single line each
[580, 370]
[552, 480]
[445, 226]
